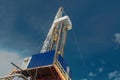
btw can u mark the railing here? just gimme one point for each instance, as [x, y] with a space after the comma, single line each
[15, 77]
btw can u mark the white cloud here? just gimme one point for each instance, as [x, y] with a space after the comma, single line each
[117, 38]
[6, 57]
[91, 74]
[100, 69]
[115, 75]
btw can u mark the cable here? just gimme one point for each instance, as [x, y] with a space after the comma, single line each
[77, 45]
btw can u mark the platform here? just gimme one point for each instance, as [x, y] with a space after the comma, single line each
[46, 66]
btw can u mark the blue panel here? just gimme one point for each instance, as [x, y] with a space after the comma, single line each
[63, 63]
[43, 59]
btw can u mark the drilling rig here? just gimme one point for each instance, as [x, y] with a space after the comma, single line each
[49, 64]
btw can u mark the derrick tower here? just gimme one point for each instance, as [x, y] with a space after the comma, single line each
[49, 63]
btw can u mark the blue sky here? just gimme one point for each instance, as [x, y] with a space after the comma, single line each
[93, 45]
